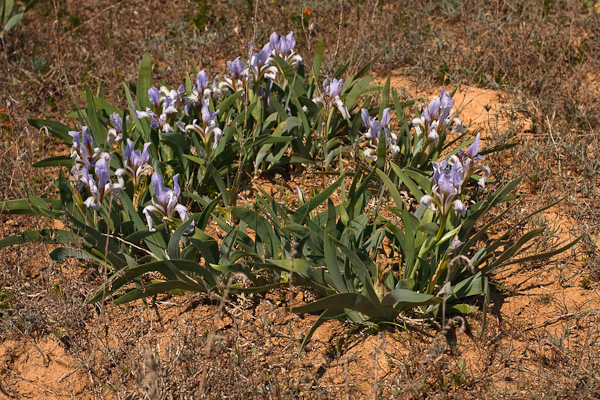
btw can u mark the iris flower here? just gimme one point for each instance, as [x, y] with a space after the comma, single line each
[261, 64]
[437, 117]
[332, 88]
[450, 177]
[234, 82]
[283, 46]
[101, 185]
[374, 128]
[447, 185]
[208, 129]
[171, 101]
[115, 133]
[166, 203]
[136, 162]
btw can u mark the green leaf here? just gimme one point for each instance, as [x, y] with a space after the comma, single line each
[156, 288]
[352, 301]
[545, 255]
[408, 182]
[155, 243]
[7, 8]
[512, 250]
[14, 20]
[313, 203]
[24, 206]
[54, 128]
[358, 90]
[51, 236]
[165, 268]
[57, 161]
[316, 277]
[63, 253]
[173, 246]
[326, 316]
[264, 230]
[392, 190]
[385, 97]
[334, 266]
[98, 130]
[144, 82]
[430, 228]
[291, 76]
[100, 242]
[404, 299]
[228, 102]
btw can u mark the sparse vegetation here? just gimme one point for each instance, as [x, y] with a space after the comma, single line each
[540, 336]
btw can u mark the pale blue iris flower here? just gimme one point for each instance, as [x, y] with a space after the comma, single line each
[136, 162]
[171, 101]
[101, 185]
[447, 185]
[374, 128]
[83, 151]
[208, 128]
[235, 80]
[166, 203]
[471, 160]
[283, 46]
[450, 177]
[332, 88]
[115, 133]
[261, 64]
[437, 118]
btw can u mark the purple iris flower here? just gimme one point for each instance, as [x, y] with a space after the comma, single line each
[201, 81]
[136, 162]
[166, 203]
[258, 60]
[472, 161]
[431, 110]
[333, 87]
[208, 129]
[102, 185]
[236, 68]
[115, 134]
[436, 119]
[374, 128]
[117, 121]
[260, 63]
[448, 180]
[102, 171]
[154, 96]
[282, 44]
[83, 150]
[171, 102]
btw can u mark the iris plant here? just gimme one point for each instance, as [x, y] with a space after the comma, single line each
[261, 64]
[83, 150]
[171, 101]
[235, 80]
